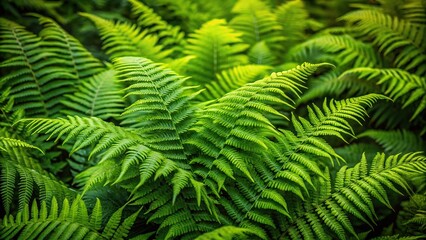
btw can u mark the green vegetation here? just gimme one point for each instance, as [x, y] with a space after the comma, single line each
[238, 119]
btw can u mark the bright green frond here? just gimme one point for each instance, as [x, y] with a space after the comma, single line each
[169, 36]
[257, 23]
[213, 52]
[125, 39]
[354, 190]
[162, 106]
[99, 96]
[231, 79]
[71, 221]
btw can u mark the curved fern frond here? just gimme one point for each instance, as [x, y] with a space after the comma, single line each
[257, 23]
[169, 36]
[348, 50]
[125, 39]
[214, 53]
[397, 141]
[231, 79]
[99, 96]
[36, 75]
[79, 61]
[403, 39]
[162, 106]
[233, 130]
[397, 83]
[72, 221]
[295, 161]
[12, 142]
[353, 194]
[110, 140]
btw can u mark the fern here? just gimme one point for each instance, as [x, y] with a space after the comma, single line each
[398, 141]
[397, 84]
[36, 75]
[162, 108]
[257, 23]
[391, 34]
[348, 50]
[290, 168]
[214, 53]
[231, 79]
[352, 193]
[233, 129]
[168, 35]
[98, 96]
[21, 172]
[79, 61]
[124, 39]
[70, 222]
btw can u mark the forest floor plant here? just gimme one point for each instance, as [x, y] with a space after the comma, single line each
[239, 119]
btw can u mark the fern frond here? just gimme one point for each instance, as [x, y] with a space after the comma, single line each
[79, 61]
[397, 141]
[233, 130]
[261, 54]
[36, 75]
[348, 50]
[24, 174]
[71, 222]
[293, 17]
[125, 39]
[169, 36]
[353, 194]
[390, 34]
[293, 165]
[109, 139]
[224, 233]
[99, 96]
[162, 108]
[397, 83]
[231, 79]
[214, 53]
[257, 23]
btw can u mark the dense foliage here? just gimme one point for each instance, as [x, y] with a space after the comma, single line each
[237, 119]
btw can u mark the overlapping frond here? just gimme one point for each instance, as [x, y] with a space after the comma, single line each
[224, 233]
[352, 196]
[396, 141]
[393, 36]
[397, 84]
[99, 96]
[169, 36]
[231, 79]
[77, 60]
[257, 23]
[293, 18]
[233, 131]
[293, 165]
[125, 39]
[347, 50]
[106, 138]
[162, 108]
[36, 75]
[68, 221]
[214, 53]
